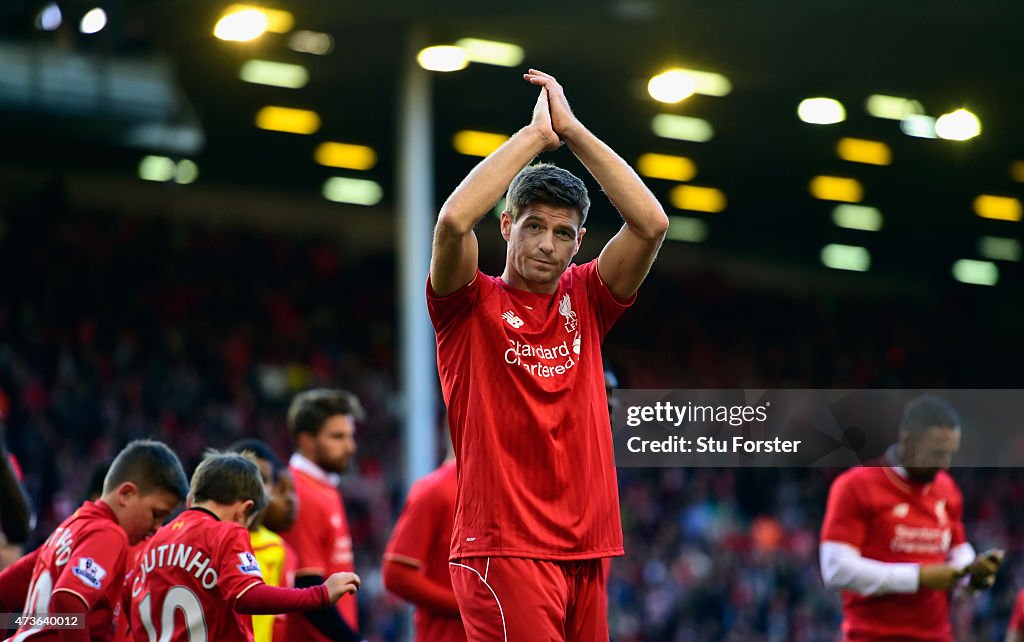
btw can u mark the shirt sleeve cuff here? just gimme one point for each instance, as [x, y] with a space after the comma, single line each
[905, 578]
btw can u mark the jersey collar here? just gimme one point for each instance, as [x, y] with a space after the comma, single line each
[301, 463]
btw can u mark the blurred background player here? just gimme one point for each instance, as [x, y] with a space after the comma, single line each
[537, 508]
[322, 424]
[81, 566]
[276, 560]
[15, 509]
[893, 539]
[202, 564]
[1015, 629]
[416, 557]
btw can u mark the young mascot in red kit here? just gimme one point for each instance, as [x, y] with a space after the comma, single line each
[198, 578]
[80, 569]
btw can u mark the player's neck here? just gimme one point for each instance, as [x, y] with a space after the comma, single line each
[514, 280]
[223, 512]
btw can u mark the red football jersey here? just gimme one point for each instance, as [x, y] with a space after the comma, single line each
[321, 541]
[421, 538]
[892, 519]
[523, 381]
[86, 556]
[188, 579]
[1017, 617]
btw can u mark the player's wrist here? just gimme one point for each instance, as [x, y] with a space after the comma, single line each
[542, 138]
[572, 132]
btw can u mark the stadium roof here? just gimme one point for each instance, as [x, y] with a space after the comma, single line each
[944, 54]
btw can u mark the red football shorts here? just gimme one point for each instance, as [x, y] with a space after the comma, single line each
[508, 599]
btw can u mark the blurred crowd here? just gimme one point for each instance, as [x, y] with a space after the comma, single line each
[113, 328]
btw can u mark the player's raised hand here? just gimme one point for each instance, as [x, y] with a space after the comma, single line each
[563, 120]
[339, 584]
[984, 567]
[541, 122]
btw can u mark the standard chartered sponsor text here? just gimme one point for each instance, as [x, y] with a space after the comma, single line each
[559, 358]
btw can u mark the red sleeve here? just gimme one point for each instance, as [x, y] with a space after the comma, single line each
[263, 599]
[310, 536]
[416, 588]
[417, 531]
[1017, 616]
[446, 310]
[14, 582]
[607, 309]
[65, 602]
[237, 568]
[97, 559]
[844, 514]
[959, 534]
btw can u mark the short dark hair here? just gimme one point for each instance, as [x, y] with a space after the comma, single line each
[548, 184]
[260, 450]
[927, 411]
[151, 466]
[227, 478]
[310, 410]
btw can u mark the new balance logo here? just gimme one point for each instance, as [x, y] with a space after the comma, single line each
[512, 319]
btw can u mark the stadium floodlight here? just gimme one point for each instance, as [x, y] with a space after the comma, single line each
[345, 156]
[958, 125]
[274, 74]
[999, 208]
[709, 83]
[186, 173]
[976, 272]
[157, 168]
[859, 150]
[491, 52]
[241, 26]
[821, 111]
[475, 143]
[688, 128]
[998, 248]
[672, 86]
[918, 126]
[311, 42]
[288, 120]
[443, 58]
[685, 228]
[93, 21]
[356, 191]
[278, 20]
[836, 188]
[49, 17]
[893, 107]
[857, 217]
[667, 167]
[846, 257]
[698, 199]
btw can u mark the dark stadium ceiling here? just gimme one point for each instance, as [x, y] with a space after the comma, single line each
[944, 54]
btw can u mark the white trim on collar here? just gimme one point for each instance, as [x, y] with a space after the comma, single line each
[306, 465]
